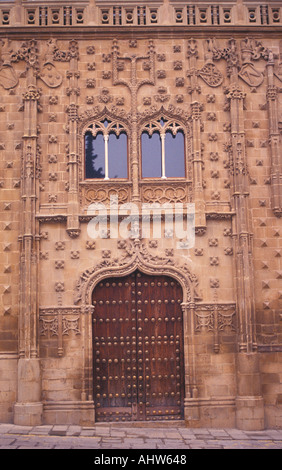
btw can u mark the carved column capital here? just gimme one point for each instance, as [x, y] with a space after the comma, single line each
[235, 93]
[32, 94]
[271, 92]
[87, 309]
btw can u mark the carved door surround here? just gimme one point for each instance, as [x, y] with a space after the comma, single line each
[136, 256]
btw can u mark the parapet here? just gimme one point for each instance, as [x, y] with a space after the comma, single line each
[153, 13]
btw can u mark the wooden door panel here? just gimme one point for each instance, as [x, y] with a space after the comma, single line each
[113, 349]
[137, 348]
[159, 313]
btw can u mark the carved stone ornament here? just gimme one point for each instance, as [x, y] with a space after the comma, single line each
[105, 96]
[250, 75]
[215, 318]
[50, 76]
[211, 75]
[32, 94]
[90, 193]
[56, 322]
[235, 93]
[49, 326]
[162, 95]
[66, 56]
[8, 77]
[136, 256]
[164, 193]
[73, 233]
[28, 52]
[251, 50]
[278, 71]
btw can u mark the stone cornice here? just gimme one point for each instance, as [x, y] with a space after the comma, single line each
[139, 32]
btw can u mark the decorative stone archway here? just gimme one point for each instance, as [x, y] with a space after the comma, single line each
[136, 256]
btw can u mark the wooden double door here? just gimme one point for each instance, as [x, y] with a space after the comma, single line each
[138, 349]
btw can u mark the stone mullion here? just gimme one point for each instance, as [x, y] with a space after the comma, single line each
[274, 140]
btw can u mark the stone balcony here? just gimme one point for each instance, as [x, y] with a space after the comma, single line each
[153, 13]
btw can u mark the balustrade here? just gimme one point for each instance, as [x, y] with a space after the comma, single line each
[38, 13]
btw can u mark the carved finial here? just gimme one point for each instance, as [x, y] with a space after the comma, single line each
[192, 48]
[151, 46]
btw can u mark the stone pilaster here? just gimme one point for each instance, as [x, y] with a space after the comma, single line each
[196, 108]
[191, 406]
[73, 228]
[242, 230]
[28, 409]
[249, 403]
[274, 139]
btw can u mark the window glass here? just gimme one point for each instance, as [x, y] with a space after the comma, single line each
[95, 156]
[151, 155]
[174, 155]
[118, 156]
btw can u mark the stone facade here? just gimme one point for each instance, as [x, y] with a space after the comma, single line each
[216, 72]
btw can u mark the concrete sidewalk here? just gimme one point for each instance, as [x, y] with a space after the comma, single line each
[128, 436]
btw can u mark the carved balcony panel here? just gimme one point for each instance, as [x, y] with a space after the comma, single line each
[54, 15]
[102, 193]
[173, 192]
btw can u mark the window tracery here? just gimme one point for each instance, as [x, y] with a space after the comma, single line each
[106, 150]
[163, 149]
[100, 134]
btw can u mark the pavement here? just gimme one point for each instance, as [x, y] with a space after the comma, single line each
[121, 436]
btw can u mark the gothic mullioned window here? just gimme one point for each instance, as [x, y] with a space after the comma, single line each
[106, 150]
[163, 149]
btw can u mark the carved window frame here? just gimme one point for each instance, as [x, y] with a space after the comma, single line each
[172, 124]
[96, 126]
